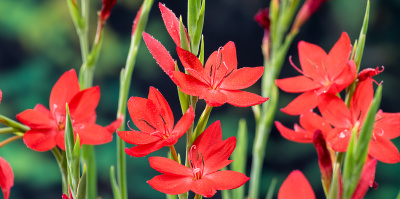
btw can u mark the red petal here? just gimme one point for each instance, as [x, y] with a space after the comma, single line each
[335, 111]
[221, 62]
[6, 177]
[163, 109]
[160, 54]
[296, 186]
[229, 55]
[387, 125]
[92, 134]
[40, 139]
[297, 84]
[214, 97]
[299, 135]
[242, 78]
[216, 158]
[60, 139]
[203, 187]
[362, 99]
[312, 59]
[184, 123]
[383, 150]
[143, 114]
[145, 149]
[171, 184]
[366, 179]
[209, 137]
[83, 104]
[324, 158]
[168, 166]
[1, 95]
[188, 84]
[345, 78]
[111, 128]
[36, 119]
[224, 180]
[338, 56]
[63, 91]
[301, 104]
[171, 23]
[136, 137]
[312, 122]
[43, 109]
[339, 139]
[193, 65]
[242, 98]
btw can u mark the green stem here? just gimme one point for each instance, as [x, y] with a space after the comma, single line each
[334, 189]
[201, 125]
[14, 124]
[173, 152]
[126, 76]
[89, 157]
[6, 130]
[62, 164]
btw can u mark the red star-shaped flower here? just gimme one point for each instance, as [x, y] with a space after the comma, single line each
[154, 118]
[6, 178]
[322, 73]
[48, 126]
[387, 125]
[207, 155]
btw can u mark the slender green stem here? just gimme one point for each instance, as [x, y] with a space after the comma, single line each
[201, 125]
[126, 76]
[11, 123]
[6, 130]
[334, 189]
[62, 164]
[10, 139]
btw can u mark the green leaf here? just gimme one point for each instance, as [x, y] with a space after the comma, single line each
[361, 39]
[271, 188]
[192, 18]
[199, 30]
[183, 36]
[114, 185]
[81, 193]
[240, 156]
[69, 146]
[201, 55]
[201, 124]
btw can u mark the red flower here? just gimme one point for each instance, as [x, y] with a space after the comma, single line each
[154, 118]
[308, 8]
[387, 125]
[322, 73]
[207, 155]
[296, 186]
[6, 177]
[220, 81]
[106, 9]
[1, 95]
[262, 18]
[310, 122]
[47, 126]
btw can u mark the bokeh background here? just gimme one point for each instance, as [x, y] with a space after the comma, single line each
[38, 43]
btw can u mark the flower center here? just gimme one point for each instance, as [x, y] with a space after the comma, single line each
[196, 161]
[164, 134]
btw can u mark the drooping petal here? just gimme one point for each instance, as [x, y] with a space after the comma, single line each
[387, 125]
[171, 184]
[193, 65]
[168, 166]
[203, 187]
[111, 128]
[339, 139]
[188, 84]
[313, 122]
[40, 139]
[338, 56]
[301, 104]
[224, 180]
[335, 111]
[297, 84]
[160, 54]
[362, 99]
[82, 106]
[383, 150]
[63, 91]
[6, 178]
[171, 23]
[312, 59]
[242, 78]
[137, 137]
[301, 135]
[36, 119]
[143, 150]
[242, 98]
[214, 97]
[92, 134]
[366, 179]
[184, 123]
[163, 109]
[296, 186]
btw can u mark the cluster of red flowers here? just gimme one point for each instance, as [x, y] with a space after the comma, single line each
[323, 77]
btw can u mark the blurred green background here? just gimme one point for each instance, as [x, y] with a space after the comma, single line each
[39, 43]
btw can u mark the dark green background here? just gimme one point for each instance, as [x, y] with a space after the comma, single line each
[38, 43]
